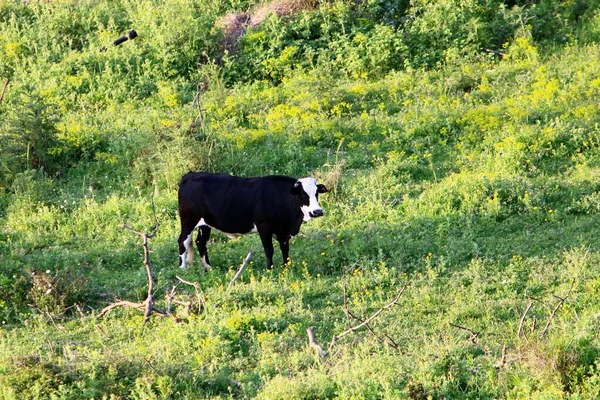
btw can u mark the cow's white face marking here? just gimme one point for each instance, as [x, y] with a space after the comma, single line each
[309, 185]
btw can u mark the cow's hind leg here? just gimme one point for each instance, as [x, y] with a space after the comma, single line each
[186, 253]
[201, 240]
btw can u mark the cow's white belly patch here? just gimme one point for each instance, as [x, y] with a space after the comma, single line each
[230, 235]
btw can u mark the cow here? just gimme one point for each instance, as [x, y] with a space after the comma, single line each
[272, 206]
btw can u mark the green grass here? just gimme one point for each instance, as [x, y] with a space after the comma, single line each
[469, 178]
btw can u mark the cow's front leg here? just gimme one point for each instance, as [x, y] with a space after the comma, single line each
[201, 241]
[267, 241]
[284, 244]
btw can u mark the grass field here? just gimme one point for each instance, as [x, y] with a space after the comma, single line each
[466, 182]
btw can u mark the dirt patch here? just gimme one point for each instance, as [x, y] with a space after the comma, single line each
[233, 25]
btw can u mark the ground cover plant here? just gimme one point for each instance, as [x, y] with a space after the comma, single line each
[460, 143]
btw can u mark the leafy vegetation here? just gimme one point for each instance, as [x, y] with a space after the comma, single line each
[460, 141]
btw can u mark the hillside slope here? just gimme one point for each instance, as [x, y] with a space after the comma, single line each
[460, 141]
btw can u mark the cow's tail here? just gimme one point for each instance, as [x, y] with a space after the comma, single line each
[190, 255]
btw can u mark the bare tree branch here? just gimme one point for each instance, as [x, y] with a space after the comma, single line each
[194, 284]
[474, 335]
[199, 296]
[558, 305]
[313, 343]
[372, 317]
[502, 363]
[495, 52]
[235, 278]
[4, 87]
[520, 330]
[390, 342]
[148, 305]
[239, 273]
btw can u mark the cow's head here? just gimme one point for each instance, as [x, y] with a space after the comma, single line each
[308, 191]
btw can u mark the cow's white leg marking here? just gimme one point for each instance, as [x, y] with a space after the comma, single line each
[205, 263]
[188, 254]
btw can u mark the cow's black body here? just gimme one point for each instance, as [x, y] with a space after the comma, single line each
[270, 206]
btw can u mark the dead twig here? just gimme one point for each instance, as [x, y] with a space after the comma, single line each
[80, 310]
[126, 303]
[312, 342]
[561, 300]
[474, 335]
[371, 318]
[147, 305]
[520, 330]
[502, 363]
[199, 297]
[349, 315]
[390, 340]
[495, 52]
[235, 278]
[4, 87]
[170, 296]
[239, 273]
[194, 284]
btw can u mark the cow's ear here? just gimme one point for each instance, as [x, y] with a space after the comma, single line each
[296, 188]
[321, 189]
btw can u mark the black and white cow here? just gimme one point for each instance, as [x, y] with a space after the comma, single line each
[272, 206]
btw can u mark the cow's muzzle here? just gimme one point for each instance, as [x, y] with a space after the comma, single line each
[316, 213]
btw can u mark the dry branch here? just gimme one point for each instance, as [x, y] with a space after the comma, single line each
[312, 342]
[474, 335]
[371, 318]
[194, 284]
[390, 341]
[147, 305]
[4, 87]
[126, 303]
[349, 315]
[558, 305]
[520, 330]
[495, 52]
[235, 278]
[199, 297]
[237, 275]
[502, 363]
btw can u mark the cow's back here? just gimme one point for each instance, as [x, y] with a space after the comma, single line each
[236, 205]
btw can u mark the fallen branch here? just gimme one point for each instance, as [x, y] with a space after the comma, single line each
[558, 305]
[147, 305]
[6, 82]
[313, 343]
[502, 363]
[520, 330]
[390, 342]
[371, 318]
[495, 52]
[474, 335]
[237, 275]
[349, 315]
[125, 303]
[235, 278]
[199, 297]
